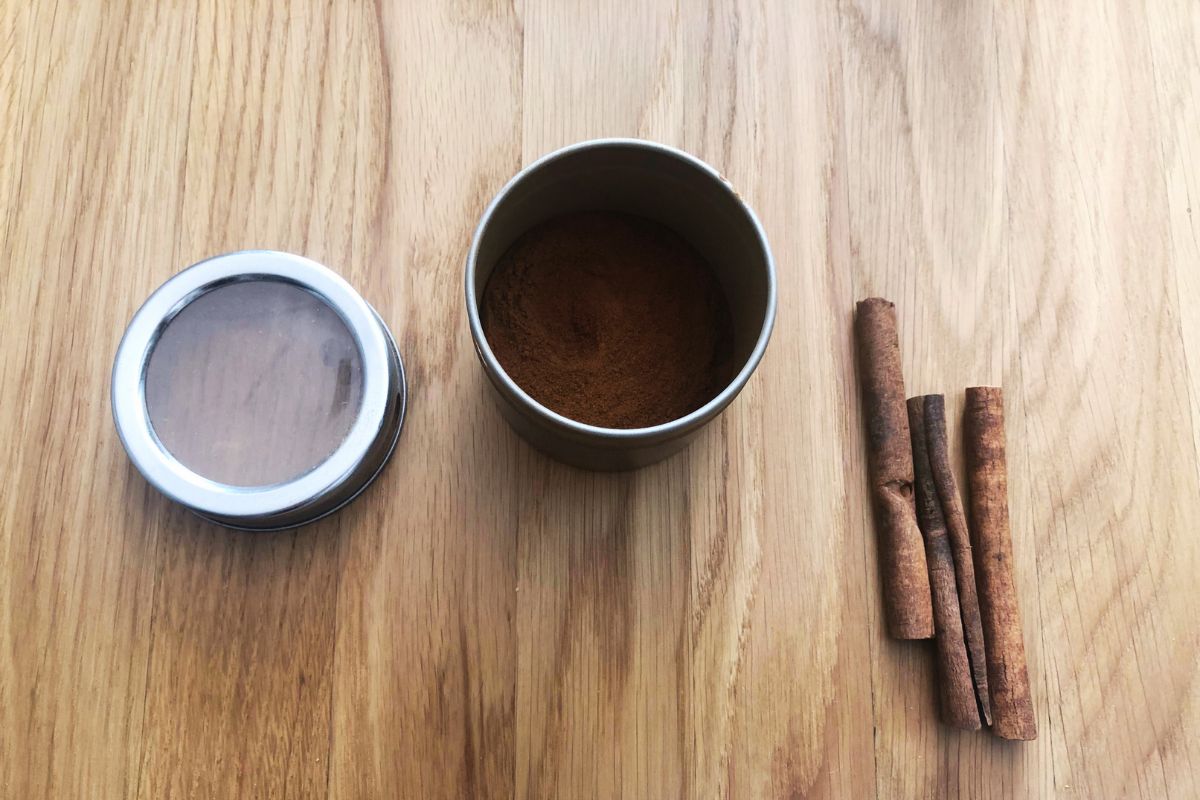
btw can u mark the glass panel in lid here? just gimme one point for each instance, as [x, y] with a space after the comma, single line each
[253, 383]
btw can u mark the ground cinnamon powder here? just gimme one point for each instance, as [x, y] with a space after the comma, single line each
[609, 319]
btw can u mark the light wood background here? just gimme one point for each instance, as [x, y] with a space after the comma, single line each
[487, 623]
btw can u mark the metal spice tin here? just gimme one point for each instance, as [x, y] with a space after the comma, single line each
[259, 390]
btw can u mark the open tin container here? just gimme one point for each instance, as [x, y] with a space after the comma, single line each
[658, 183]
[259, 390]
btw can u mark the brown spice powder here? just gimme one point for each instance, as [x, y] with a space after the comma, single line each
[609, 319]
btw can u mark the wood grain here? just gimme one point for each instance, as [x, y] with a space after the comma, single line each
[488, 623]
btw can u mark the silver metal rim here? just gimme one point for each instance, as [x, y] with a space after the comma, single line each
[225, 502]
[666, 430]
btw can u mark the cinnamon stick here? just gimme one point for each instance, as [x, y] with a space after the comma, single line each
[956, 689]
[907, 604]
[936, 441]
[987, 478]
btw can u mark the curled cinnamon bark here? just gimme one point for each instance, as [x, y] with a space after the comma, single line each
[936, 440]
[906, 597]
[987, 478]
[956, 689]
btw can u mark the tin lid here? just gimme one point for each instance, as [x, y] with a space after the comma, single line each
[258, 389]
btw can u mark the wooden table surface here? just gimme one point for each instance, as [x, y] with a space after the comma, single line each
[487, 623]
